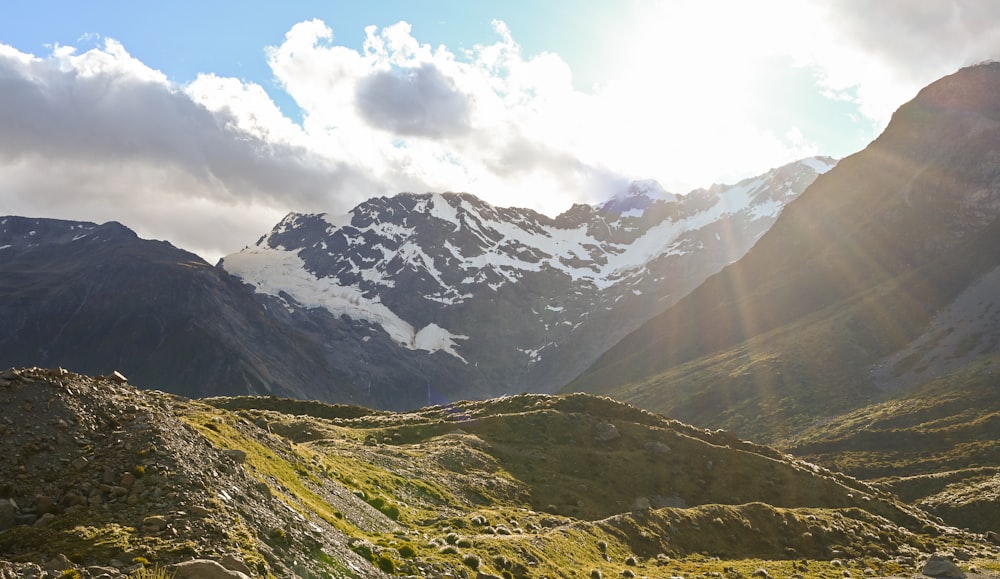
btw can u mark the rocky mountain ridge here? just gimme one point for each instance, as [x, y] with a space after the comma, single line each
[443, 296]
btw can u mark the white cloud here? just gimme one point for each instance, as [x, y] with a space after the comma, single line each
[879, 54]
[100, 136]
[213, 164]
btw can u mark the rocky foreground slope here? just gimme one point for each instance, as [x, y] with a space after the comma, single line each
[99, 479]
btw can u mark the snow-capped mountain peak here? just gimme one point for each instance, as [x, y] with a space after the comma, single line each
[495, 287]
[636, 198]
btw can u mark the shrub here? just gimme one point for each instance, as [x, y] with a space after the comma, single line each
[154, 572]
[363, 548]
[472, 561]
[407, 552]
[391, 511]
[278, 535]
[385, 563]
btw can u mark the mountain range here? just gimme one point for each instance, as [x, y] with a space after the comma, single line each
[439, 297]
[405, 301]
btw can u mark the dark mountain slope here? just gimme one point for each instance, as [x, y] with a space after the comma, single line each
[852, 271]
[96, 298]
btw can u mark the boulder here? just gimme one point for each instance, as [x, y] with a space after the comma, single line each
[233, 564]
[8, 514]
[605, 432]
[236, 455]
[938, 566]
[59, 563]
[154, 524]
[204, 569]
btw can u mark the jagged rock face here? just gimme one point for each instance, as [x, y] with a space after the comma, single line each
[430, 297]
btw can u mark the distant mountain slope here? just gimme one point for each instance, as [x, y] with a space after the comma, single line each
[435, 297]
[96, 298]
[852, 273]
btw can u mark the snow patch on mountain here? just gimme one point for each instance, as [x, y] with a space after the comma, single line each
[819, 164]
[278, 272]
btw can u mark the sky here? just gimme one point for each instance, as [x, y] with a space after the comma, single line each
[203, 123]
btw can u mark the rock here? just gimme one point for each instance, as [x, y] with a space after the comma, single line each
[233, 564]
[127, 480]
[641, 504]
[45, 504]
[962, 555]
[118, 563]
[118, 377]
[993, 537]
[98, 570]
[204, 569]
[238, 456]
[657, 447]
[8, 513]
[30, 571]
[199, 511]
[44, 520]
[605, 432]
[154, 524]
[938, 566]
[109, 476]
[59, 563]
[481, 575]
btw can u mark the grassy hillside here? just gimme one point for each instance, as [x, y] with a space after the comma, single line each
[938, 446]
[517, 487]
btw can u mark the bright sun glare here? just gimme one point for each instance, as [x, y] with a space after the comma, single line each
[681, 64]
